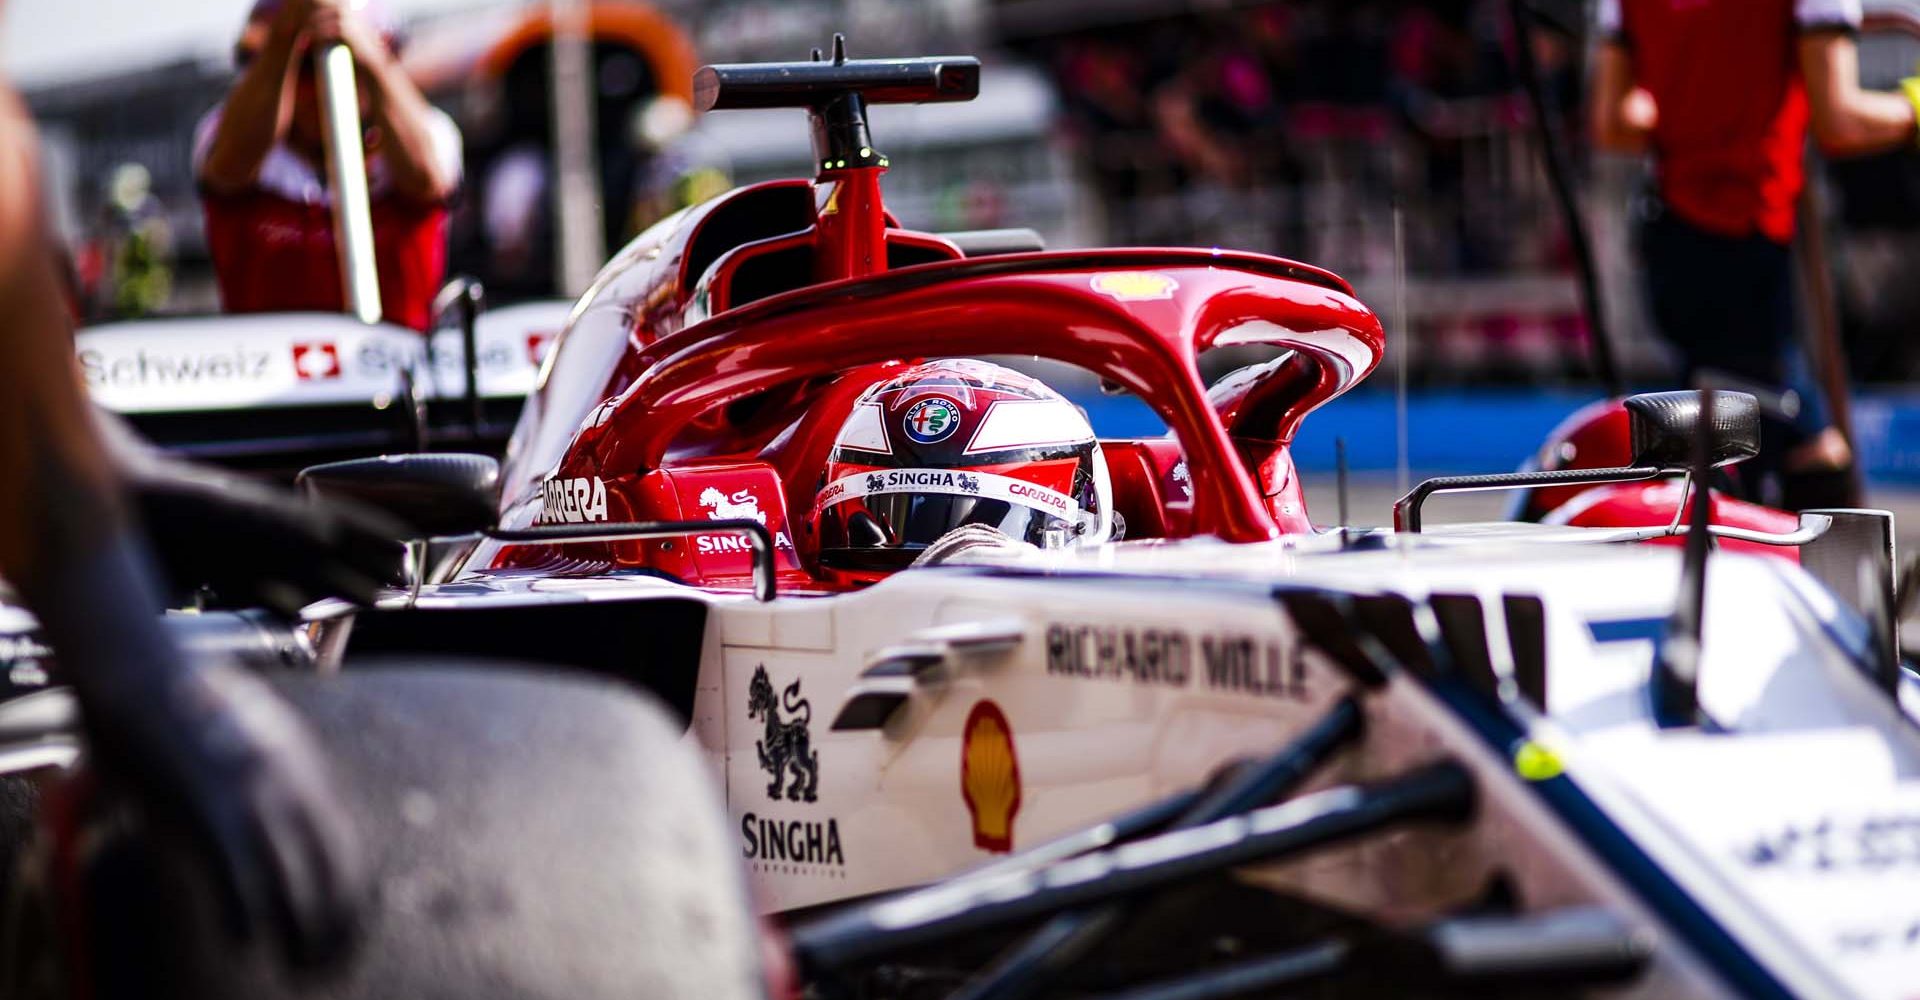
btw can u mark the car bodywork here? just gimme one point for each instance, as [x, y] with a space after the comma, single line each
[885, 737]
[278, 391]
[844, 726]
[889, 736]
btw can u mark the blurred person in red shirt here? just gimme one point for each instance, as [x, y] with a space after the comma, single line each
[1723, 93]
[261, 163]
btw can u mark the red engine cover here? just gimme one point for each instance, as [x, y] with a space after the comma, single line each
[1647, 505]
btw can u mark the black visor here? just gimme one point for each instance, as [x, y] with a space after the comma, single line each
[889, 530]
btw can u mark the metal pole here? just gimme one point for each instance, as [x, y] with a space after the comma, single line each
[347, 173]
[577, 178]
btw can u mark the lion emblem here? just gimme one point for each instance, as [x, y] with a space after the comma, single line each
[742, 506]
[785, 748]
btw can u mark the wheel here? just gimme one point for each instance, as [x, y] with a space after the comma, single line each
[532, 835]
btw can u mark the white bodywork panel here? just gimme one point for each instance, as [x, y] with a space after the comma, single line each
[1136, 670]
[1795, 826]
[305, 359]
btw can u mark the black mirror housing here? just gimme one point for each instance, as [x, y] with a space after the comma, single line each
[1663, 425]
[434, 494]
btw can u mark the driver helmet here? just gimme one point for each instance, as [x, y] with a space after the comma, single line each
[947, 444]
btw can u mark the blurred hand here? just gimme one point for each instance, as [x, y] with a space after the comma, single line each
[331, 21]
[251, 544]
[292, 17]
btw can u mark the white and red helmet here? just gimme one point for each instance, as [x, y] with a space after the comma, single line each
[959, 442]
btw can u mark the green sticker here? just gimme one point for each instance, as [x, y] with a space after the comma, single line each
[1536, 763]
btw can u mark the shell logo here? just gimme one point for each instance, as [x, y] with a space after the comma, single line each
[1134, 286]
[990, 777]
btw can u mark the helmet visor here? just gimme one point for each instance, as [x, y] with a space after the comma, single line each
[902, 511]
[919, 519]
[890, 530]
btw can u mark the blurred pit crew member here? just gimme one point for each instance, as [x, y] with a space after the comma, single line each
[261, 162]
[204, 745]
[1722, 93]
[955, 454]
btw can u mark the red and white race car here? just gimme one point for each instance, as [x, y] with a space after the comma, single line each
[934, 637]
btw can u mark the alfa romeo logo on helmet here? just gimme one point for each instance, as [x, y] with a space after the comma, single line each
[931, 420]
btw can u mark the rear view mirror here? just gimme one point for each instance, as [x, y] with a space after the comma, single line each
[434, 494]
[1661, 428]
[1663, 424]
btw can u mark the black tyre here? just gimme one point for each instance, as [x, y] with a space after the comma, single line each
[531, 835]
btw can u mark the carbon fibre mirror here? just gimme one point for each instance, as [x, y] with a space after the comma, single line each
[1662, 427]
[434, 494]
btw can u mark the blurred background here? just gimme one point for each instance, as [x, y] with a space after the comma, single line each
[1313, 129]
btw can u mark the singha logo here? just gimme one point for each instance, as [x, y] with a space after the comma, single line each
[969, 483]
[742, 506]
[875, 483]
[785, 747]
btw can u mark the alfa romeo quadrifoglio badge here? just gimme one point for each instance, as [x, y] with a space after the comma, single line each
[932, 420]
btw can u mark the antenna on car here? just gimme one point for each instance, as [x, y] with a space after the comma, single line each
[1340, 480]
[1401, 475]
[1676, 661]
[1907, 591]
[851, 223]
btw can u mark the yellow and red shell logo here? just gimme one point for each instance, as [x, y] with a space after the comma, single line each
[1134, 286]
[990, 776]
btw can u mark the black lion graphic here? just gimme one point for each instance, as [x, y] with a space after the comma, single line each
[785, 746]
[874, 483]
[969, 483]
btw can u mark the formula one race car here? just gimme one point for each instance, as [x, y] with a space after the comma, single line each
[1113, 714]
